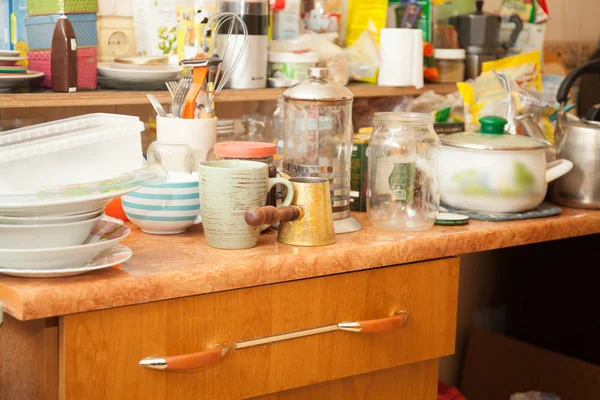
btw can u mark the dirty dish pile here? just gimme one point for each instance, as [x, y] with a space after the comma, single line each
[56, 179]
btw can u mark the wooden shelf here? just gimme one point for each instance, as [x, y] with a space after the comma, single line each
[113, 98]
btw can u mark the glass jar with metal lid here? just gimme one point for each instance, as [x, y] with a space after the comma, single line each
[403, 153]
[252, 151]
[318, 139]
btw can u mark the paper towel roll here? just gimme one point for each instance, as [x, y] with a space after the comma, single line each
[402, 57]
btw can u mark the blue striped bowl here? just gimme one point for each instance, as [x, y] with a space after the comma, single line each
[165, 209]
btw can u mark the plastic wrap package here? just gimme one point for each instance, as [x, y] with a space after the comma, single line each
[358, 61]
[487, 96]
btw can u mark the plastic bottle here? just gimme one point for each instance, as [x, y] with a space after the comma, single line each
[63, 57]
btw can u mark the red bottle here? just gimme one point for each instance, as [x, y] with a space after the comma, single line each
[63, 58]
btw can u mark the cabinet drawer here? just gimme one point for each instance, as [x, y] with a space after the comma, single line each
[100, 351]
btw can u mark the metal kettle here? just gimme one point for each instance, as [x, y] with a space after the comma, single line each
[578, 140]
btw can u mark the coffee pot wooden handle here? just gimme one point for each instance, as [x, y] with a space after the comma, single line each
[269, 215]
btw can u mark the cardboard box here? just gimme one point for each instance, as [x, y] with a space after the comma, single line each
[495, 367]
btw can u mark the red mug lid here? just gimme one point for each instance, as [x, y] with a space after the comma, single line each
[244, 149]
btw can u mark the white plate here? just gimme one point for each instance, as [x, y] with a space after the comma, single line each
[7, 82]
[139, 75]
[64, 257]
[112, 256]
[9, 53]
[50, 219]
[75, 199]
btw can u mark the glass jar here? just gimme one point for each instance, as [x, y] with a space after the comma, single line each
[318, 139]
[252, 151]
[403, 153]
[450, 64]
[225, 130]
[277, 131]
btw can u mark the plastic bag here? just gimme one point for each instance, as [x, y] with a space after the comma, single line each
[446, 109]
[358, 61]
[487, 96]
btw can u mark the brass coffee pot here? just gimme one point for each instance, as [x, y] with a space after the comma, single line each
[307, 222]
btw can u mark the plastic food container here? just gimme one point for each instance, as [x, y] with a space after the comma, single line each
[70, 151]
[450, 64]
[288, 68]
[251, 151]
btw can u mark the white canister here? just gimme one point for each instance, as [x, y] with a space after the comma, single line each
[288, 68]
[200, 134]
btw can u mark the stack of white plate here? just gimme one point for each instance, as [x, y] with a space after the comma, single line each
[55, 181]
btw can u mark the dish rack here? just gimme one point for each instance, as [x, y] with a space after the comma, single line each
[88, 148]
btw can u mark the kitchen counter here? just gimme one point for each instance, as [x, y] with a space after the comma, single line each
[168, 267]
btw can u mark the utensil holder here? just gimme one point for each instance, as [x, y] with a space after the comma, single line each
[199, 134]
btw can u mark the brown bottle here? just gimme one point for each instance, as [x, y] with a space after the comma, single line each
[63, 59]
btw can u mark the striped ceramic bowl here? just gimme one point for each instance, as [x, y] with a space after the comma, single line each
[164, 209]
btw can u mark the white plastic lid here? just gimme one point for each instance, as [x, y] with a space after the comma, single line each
[291, 57]
[449, 54]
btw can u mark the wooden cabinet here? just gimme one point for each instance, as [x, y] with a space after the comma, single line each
[99, 351]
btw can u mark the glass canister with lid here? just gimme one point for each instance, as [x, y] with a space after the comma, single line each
[318, 139]
[403, 157]
[252, 151]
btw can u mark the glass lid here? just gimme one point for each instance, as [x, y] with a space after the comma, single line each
[318, 87]
[491, 136]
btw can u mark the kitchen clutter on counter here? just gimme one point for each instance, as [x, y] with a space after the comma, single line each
[497, 146]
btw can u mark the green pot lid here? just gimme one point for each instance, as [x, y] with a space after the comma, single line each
[491, 136]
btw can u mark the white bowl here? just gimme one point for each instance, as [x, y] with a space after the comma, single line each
[44, 236]
[66, 257]
[50, 219]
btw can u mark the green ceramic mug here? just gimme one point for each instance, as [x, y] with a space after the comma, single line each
[227, 189]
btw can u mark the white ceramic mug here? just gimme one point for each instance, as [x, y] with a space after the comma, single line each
[165, 209]
[227, 189]
[199, 134]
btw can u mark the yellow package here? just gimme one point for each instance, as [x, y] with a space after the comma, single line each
[487, 96]
[360, 12]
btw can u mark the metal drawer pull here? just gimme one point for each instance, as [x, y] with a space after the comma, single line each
[368, 326]
[187, 361]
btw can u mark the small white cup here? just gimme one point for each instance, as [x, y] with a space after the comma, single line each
[199, 134]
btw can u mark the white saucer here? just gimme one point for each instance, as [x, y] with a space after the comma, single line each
[164, 73]
[7, 82]
[112, 256]
[64, 257]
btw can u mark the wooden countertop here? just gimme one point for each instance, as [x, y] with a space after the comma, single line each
[165, 267]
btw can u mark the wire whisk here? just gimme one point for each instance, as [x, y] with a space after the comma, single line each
[228, 35]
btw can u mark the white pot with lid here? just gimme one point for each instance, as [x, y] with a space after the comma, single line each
[490, 171]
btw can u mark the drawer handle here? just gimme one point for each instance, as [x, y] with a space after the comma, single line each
[376, 325]
[187, 361]
[368, 326]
